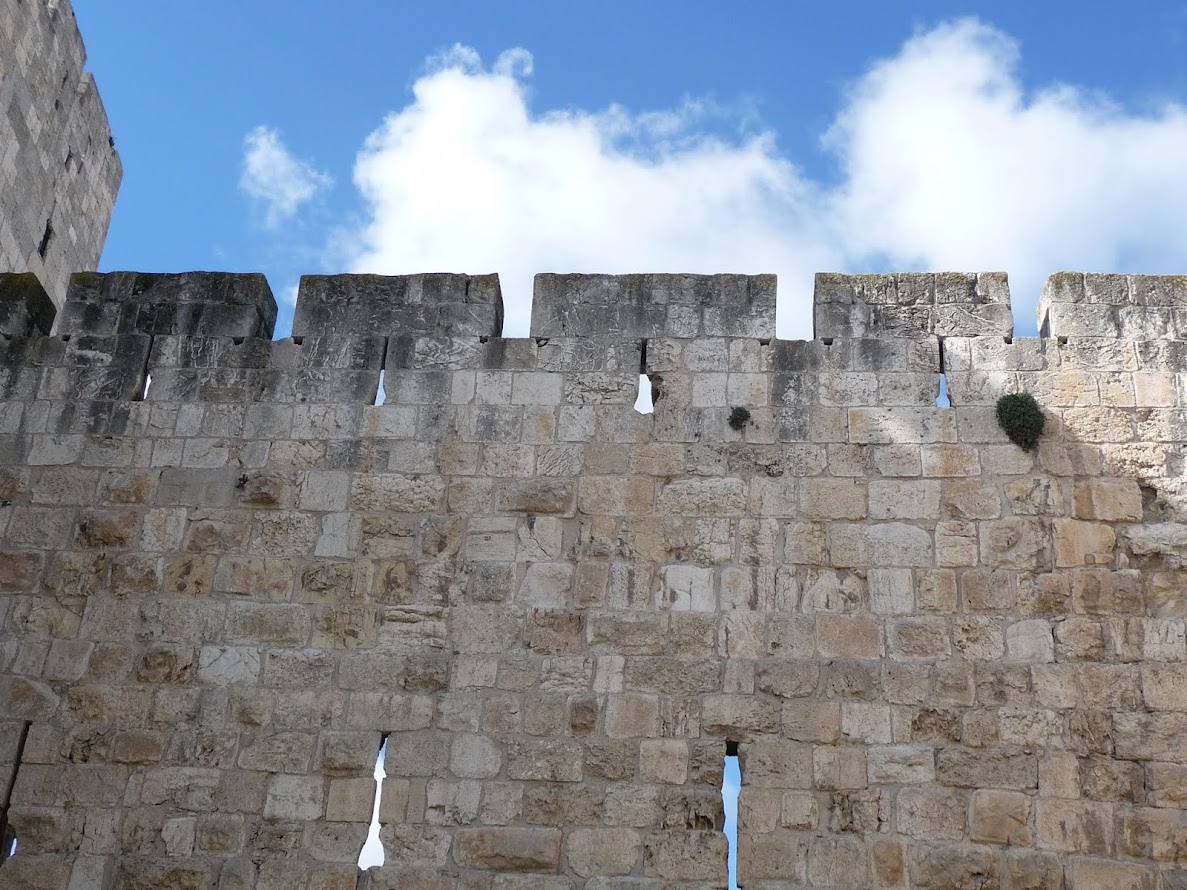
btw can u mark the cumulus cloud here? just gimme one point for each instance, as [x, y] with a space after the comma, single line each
[467, 178]
[946, 162]
[272, 176]
[949, 163]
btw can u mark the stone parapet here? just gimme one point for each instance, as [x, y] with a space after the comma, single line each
[645, 306]
[195, 304]
[1135, 307]
[943, 304]
[400, 305]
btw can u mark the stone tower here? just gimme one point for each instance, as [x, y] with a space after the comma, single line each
[59, 170]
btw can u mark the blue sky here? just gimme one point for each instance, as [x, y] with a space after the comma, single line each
[300, 136]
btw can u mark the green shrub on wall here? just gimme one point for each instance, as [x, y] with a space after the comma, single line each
[1021, 417]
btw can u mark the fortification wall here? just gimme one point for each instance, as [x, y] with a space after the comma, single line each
[59, 170]
[944, 662]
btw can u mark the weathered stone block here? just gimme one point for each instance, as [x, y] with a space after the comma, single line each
[408, 305]
[508, 849]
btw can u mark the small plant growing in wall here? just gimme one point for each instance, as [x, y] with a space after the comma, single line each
[1022, 419]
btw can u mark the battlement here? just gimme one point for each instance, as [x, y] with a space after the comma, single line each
[233, 567]
[365, 324]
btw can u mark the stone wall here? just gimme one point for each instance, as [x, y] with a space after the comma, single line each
[59, 170]
[228, 577]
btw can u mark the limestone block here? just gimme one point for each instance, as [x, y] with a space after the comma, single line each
[707, 497]
[1164, 687]
[788, 679]
[731, 716]
[886, 544]
[1074, 826]
[956, 543]
[995, 768]
[1000, 817]
[26, 699]
[866, 722]
[546, 584]
[1030, 641]
[1014, 543]
[935, 866]
[1083, 543]
[548, 760]
[904, 499]
[663, 761]
[931, 812]
[602, 851]
[1104, 874]
[685, 855]
[838, 768]
[688, 588]
[901, 765]
[300, 798]
[452, 803]
[849, 636]
[416, 845]
[1157, 736]
[508, 849]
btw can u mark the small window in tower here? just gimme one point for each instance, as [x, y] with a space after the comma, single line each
[45, 239]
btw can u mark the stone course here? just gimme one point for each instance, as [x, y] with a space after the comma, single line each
[228, 577]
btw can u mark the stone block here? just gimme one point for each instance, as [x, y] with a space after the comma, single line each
[1102, 874]
[663, 761]
[932, 813]
[1000, 817]
[508, 849]
[602, 851]
[685, 856]
[1074, 826]
[25, 308]
[300, 798]
[940, 867]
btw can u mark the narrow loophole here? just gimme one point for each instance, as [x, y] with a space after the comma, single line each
[942, 400]
[644, 404]
[380, 392]
[46, 237]
[147, 386]
[8, 838]
[731, 787]
[372, 853]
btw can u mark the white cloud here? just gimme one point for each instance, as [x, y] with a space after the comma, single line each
[467, 178]
[949, 163]
[946, 163]
[271, 175]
